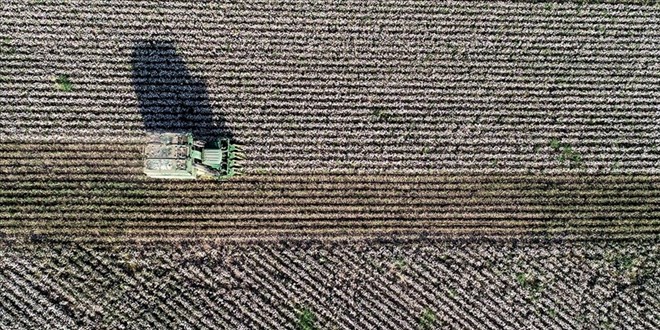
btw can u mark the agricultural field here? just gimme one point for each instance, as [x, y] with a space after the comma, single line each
[457, 164]
[398, 118]
[331, 286]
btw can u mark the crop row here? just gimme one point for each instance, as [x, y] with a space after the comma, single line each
[416, 114]
[401, 233]
[414, 158]
[389, 8]
[532, 73]
[589, 127]
[592, 24]
[553, 42]
[551, 193]
[323, 208]
[87, 171]
[350, 196]
[457, 78]
[440, 180]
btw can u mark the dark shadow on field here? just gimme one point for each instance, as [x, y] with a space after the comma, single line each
[170, 99]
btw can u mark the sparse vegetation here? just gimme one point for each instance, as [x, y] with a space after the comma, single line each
[6, 46]
[63, 83]
[555, 144]
[566, 153]
[630, 267]
[530, 282]
[427, 319]
[400, 263]
[380, 114]
[306, 319]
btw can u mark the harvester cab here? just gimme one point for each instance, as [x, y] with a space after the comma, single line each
[180, 156]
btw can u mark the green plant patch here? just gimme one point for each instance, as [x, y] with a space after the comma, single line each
[6, 46]
[529, 282]
[555, 144]
[63, 83]
[566, 154]
[306, 319]
[380, 114]
[400, 263]
[427, 319]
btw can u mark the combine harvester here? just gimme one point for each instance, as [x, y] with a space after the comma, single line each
[180, 156]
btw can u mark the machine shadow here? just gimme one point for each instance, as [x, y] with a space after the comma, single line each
[170, 99]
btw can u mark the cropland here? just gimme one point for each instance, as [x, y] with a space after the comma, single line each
[409, 164]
